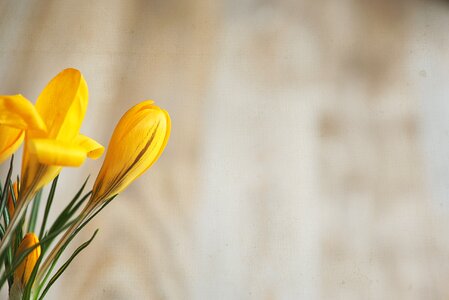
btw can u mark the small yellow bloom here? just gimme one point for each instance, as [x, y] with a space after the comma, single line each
[52, 138]
[24, 270]
[137, 142]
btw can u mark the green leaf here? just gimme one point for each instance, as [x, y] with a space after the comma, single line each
[6, 216]
[5, 191]
[4, 212]
[64, 246]
[34, 211]
[18, 233]
[66, 264]
[51, 195]
[71, 208]
[68, 213]
[78, 194]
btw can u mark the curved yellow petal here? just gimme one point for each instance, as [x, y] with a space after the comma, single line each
[16, 111]
[57, 153]
[137, 142]
[62, 104]
[93, 149]
[10, 140]
[23, 272]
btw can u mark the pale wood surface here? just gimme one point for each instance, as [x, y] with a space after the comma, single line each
[307, 159]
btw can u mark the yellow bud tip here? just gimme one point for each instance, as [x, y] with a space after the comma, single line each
[137, 142]
[23, 272]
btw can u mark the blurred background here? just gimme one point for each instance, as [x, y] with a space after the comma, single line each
[309, 157]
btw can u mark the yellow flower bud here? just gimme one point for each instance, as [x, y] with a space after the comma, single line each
[137, 142]
[23, 272]
[10, 203]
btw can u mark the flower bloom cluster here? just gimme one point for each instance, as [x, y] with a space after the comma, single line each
[50, 133]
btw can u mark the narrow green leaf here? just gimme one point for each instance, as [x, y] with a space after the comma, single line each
[18, 234]
[98, 211]
[8, 263]
[68, 212]
[5, 257]
[63, 247]
[76, 197]
[5, 190]
[10, 248]
[6, 216]
[34, 211]
[71, 208]
[51, 195]
[78, 194]
[79, 203]
[66, 264]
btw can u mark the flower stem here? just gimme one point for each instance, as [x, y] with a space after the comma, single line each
[17, 216]
[54, 254]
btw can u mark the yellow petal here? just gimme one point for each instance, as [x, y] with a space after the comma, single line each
[62, 104]
[137, 142]
[57, 153]
[94, 150]
[18, 112]
[23, 271]
[10, 140]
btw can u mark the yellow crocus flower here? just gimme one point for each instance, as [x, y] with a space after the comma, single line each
[23, 271]
[137, 142]
[52, 138]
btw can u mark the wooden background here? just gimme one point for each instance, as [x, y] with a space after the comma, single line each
[309, 157]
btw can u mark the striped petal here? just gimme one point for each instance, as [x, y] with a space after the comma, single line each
[62, 104]
[137, 142]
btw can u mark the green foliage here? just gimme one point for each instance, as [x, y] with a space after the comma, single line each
[69, 222]
[51, 195]
[66, 264]
[34, 211]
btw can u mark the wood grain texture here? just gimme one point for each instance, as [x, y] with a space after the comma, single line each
[301, 152]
